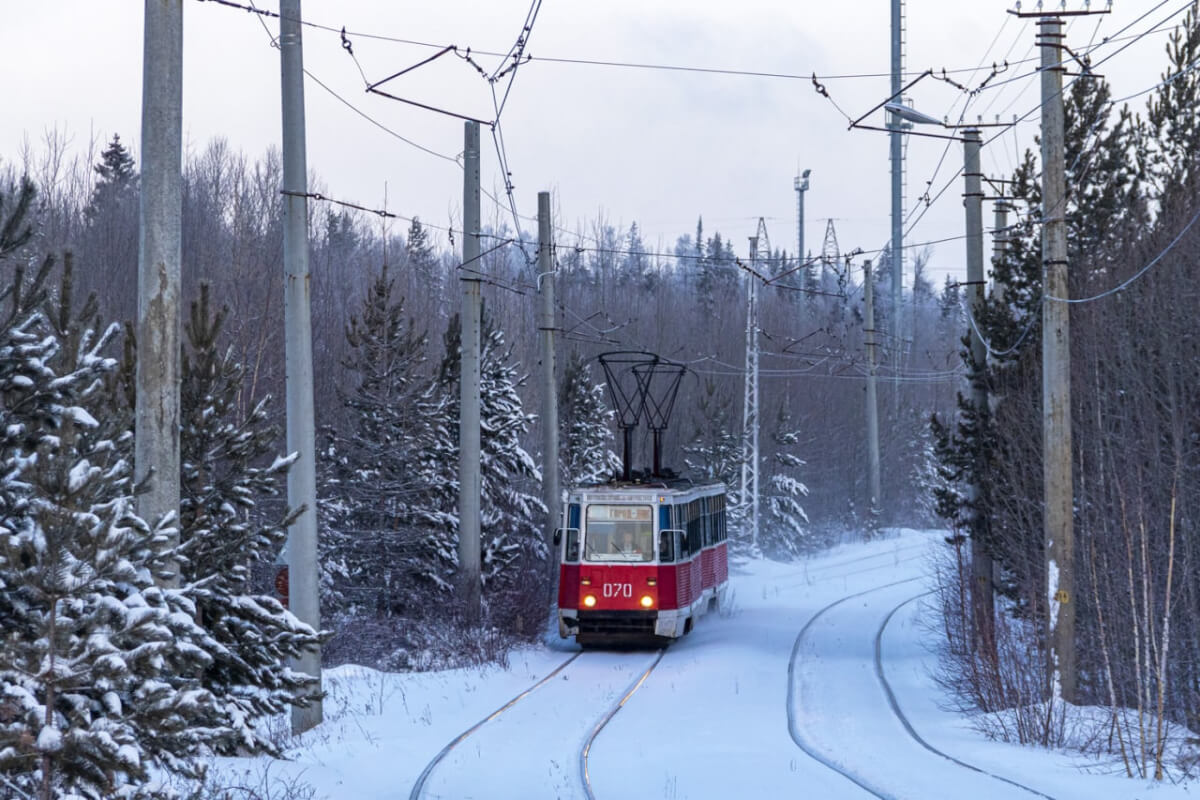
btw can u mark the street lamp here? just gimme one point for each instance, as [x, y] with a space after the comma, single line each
[911, 114]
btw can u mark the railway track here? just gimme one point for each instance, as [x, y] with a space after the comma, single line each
[612, 712]
[899, 713]
[809, 748]
[884, 560]
[421, 787]
[856, 777]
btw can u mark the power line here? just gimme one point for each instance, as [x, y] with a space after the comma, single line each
[751, 73]
[1128, 42]
[1125, 283]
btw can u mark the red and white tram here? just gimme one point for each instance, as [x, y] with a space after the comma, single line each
[640, 561]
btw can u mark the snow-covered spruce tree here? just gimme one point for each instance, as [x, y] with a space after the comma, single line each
[99, 663]
[228, 468]
[372, 471]
[423, 265]
[714, 452]
[15, 229]
[784, 530]
[585, 422]
[510, 509]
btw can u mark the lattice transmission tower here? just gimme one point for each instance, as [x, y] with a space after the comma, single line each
[831, 256]
[760, 253]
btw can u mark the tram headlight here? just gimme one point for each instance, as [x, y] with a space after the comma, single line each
[589, 600]
[647, 601]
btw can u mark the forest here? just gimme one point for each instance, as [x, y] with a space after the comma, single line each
[198, 665]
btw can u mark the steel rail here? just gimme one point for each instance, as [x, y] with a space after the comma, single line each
[612, 712]
[419, 786]
[891, 697]
[794, 728]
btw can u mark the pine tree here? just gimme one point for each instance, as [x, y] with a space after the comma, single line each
[509, 509]
[373, 486]
[1104, 204]
[423, 263]
[98, 670]
[783, 532]
[228, 467]
[586, 436]
[714, 451]
[116, 182]
[1172, 135]
[15, 229]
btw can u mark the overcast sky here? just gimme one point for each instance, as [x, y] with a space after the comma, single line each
[653, 146]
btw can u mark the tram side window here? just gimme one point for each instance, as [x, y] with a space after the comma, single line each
[681, 525]
[666, 546]
[572, 546]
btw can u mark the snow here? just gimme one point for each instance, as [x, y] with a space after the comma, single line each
[81, 473]
[81, 417]
[49, 740]
[791, 677]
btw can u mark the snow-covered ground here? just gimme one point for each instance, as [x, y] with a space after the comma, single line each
[785, 693]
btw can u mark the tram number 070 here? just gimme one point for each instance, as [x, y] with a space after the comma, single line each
[618, 590]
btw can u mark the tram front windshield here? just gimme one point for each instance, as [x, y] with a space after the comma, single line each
[618, 533]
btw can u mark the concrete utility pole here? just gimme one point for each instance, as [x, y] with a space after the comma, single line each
[1000, 246]
[303, 594]
[1056, 370]
[469, 482]
[159, 256]
[897, 159]
[551, 493]
[983, 614]
[872, 404]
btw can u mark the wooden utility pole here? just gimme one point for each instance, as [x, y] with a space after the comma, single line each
[303, 588]
[160, 253]
[872, 403]
[1056, 371]
[982, 607]
[551, 493]
[469, 481]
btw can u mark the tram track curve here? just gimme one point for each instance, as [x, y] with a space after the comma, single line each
[419, 787]
[797, 735]
[904, 721]
[612, 712]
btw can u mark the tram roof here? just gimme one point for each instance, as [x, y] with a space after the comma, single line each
[644, 491]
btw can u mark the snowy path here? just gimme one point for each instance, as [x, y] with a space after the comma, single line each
[716, 726]
[532, 749]
[839, 693]
[812, 682]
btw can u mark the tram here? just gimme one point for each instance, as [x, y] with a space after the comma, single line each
[640, 561]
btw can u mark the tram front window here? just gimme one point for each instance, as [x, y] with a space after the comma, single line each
[618, 533]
